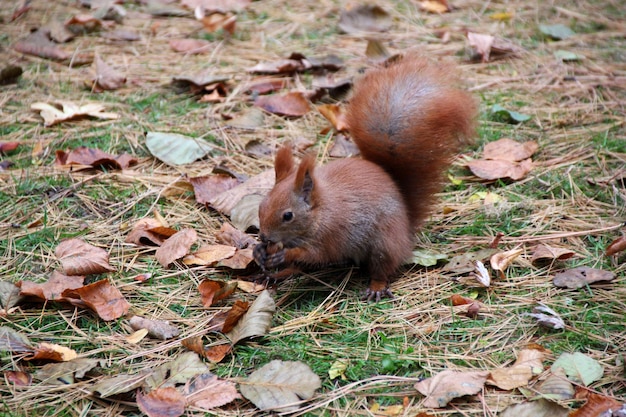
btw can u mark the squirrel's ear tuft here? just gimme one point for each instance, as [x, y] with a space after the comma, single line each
[305, 183]
[283, 164]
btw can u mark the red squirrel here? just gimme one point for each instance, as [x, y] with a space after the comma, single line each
[408, 120]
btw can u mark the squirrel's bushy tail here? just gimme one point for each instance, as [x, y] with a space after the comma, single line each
[411, 118]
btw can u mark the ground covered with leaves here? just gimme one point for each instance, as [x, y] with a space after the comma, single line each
[136, 138]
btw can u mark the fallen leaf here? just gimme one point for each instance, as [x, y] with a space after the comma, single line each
[338, 369]
[175, 149]
[481, 43]
[447, 385]
[209, 255]
[265, 85]
[18, 378]
[176, 247]
[52, 289]
[556, 387]
[101, 297]
[293, 104]
[545, 253]
[257, 320]
[479, 278]
[529, 363]
[280, 386]
[547, 317]
[229, 235]
[240, 260]
[434, 6]
[191, 46]
[9, 295]
[618, 245]
[121, 34]
[245, 214]
[427, 257]
[119, 384]
[249, 119]
[65, 373]
[52, 352]
[364, 18]
[502, 260]
[106, 77]
[161, 402]
[83, 23]
[497, 169]
[149, 232]
[160, 329]
[259, 184]
[580, 277]
[214, 21]
[233, 315]
[39, 44]
[214, 353]
[335, 115]
[208, 187]
[597, 406]
[213, 291]
[207, 391]
[465, 262]
[282, 66]
[539, 408]
[13, 341]
[78, 257]
[510, 150]
[65, 111]
[137, 336]
[508, 116]
[94, 158]
[557, 32]
[567, 56]
[579, 368]
[178, 371]
[250, 287]
[6, 147]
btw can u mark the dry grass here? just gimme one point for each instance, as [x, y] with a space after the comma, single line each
[571, 199]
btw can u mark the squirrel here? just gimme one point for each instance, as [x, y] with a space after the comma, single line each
[409, 120]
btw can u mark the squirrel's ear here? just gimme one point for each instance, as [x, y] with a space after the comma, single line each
[304, 185]
[283, 164]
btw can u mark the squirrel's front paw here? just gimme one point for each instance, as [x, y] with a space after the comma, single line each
[377, 290]
[275, 260]
[260, 254]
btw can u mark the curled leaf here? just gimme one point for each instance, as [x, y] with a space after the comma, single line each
[78, 257]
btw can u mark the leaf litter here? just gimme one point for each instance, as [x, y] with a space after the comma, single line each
[562, 131]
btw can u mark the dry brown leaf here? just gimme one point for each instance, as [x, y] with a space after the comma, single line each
[217, 5]
[233, 315]
[250, 287]
[580, 277]
[447, 385]
[434, 6]
[364, 18]
[149, 232]
[216, 21]
[64, 111]
[497, 169]
[596, 406]
[214, 291]
[101, 297]
[136, 337]
[229, 235]
[502, 260]
[245, 214]
[240, 260]
[52, 352]
[209, 255]
[160, 329]
[256, 321]
[93, 158]
[510, 150]
[293, 104]
[557, 386]
[215, 353]
[162, 402]
[82, 23]
[176, 247]
[528, 364]
[6, 147]
[618, 245]
[546, 253]
[78, 257]
[473, 306]
[39, 44]
[9, 296]
[13, 341]
[249, 119]
[207, 391]
[481, 43]
[259, 184]
[191, 46]
[52, 289]
[335, 115]
[282, 66]
[547, 317]
[18, 378]
[465, 262]
[208, 187]
[538, 408]
[65, 373]
[280, 385]
[265, 85]
[106, 77]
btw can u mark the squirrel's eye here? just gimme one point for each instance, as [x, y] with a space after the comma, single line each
[287, 216]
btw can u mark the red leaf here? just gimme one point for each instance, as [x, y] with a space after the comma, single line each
[52, 289]
[616, 246]
[162, 402]
[292, 104]
[6, 147]
[176, 247]
[102, 297]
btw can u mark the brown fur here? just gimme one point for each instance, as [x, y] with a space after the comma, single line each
[408, 120]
